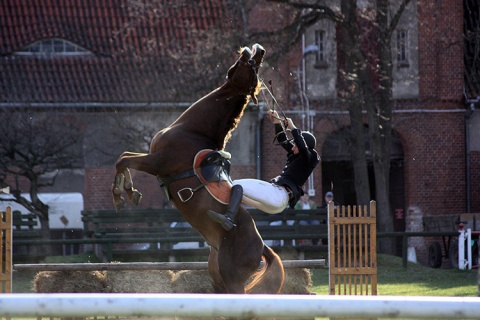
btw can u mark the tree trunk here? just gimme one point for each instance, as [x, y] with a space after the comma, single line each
[41, 210]
[382, 128]
[352, 98]
[358, 156]
[45, 232]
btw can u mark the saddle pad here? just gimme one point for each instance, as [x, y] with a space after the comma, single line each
[220, 190]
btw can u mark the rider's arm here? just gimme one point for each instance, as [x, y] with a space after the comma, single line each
[279, 131]
[298, 139]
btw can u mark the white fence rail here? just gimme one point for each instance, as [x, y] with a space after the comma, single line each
[464, 237]
[209, 305]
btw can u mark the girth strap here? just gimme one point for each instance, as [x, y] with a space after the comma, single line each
[165, 182]
[213, 166]
[186, 194]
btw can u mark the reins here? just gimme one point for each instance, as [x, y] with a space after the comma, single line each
[275, 102]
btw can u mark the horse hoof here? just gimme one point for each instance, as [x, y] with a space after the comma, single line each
[136, 197]
[119, 184]
[119, 205]
[128, 184]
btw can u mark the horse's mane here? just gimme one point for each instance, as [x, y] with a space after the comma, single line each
[233, 121]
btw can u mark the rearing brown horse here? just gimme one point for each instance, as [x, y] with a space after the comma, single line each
[235, 255]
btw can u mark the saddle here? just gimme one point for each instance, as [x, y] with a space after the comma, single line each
[212, 168]
[214, 172]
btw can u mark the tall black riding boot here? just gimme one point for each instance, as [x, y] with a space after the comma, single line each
[227, 219]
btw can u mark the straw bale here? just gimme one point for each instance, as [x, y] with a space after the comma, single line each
[70, 282]
[192, 281]
[297, 281]
[151, 281]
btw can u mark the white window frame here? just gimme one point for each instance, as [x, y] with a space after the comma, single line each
[402, 47]
[321, 43]
[53, 47]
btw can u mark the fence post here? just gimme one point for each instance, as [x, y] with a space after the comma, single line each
[469, 248]
[6, 250]
[461, 247]
[352, 250]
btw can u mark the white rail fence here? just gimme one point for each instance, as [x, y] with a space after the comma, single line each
[465, 247]
[209, 305]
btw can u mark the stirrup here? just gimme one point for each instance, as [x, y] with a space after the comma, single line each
[226, 223]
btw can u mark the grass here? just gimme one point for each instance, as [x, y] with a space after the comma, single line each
[23, 281]
[392, 278]
[415, 280]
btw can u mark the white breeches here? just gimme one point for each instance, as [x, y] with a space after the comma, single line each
[263, 195]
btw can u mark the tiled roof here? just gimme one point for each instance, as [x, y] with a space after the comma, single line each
[143, 51]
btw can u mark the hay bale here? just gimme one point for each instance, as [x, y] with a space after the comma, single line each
[297, 281]
[70, 282]
[287, 253]
[151, 281]
[192, 281]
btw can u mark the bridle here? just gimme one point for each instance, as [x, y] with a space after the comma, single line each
[283, 119]
[253, 81]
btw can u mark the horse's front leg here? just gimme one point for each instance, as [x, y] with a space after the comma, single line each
[123, 182]
[218, 284]
[118, 187]
[133, 194]
[123, 179]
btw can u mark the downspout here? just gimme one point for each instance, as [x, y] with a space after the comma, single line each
[306, 116]
[468, 115]
[258, 142]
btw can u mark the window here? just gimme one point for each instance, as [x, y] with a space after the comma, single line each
[57, 47]
[320, 39]
[402, 48]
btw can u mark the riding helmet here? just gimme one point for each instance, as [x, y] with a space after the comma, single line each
[309, 139]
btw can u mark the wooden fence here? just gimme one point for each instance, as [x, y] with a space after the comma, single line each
[6, 251]
[352, 252]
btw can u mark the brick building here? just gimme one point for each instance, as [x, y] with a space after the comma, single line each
[121, 66]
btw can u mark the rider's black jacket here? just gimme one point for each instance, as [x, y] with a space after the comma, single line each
[298, 166]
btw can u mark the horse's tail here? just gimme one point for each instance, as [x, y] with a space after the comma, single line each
[270, 278]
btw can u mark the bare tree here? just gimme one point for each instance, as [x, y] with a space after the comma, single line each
[472, 48]
[34, 146]
[359, 90]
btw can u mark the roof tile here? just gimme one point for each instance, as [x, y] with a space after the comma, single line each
[142, 52]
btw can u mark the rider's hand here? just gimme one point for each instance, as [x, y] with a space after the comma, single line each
[290, 124]
[273, 115]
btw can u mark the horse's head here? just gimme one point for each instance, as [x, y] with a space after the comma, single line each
[243, 75]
